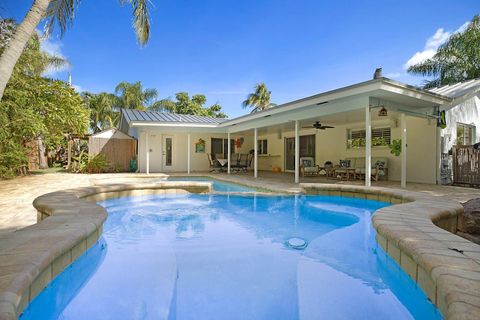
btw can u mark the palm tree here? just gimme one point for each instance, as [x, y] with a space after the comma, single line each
[59, 12]
[103, 113]
[456, 60]
[133, 96]
[260, 99]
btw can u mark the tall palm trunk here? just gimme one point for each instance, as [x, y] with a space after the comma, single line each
[19, 40]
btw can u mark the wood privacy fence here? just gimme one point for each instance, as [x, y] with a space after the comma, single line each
[118, 152]
[466, 166]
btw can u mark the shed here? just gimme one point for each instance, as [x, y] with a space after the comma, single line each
[118, 148]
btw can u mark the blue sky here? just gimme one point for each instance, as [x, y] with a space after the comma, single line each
[222, 48]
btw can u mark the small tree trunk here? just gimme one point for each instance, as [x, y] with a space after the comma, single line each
[42, 158]
[20, 38]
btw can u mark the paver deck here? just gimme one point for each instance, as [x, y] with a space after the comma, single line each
[17, 195]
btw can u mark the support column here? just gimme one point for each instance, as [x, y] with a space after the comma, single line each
[147, 154]
[188, 152]
[228, 153]
[297, 153]
[438, 139]
[255, 153]
[404, 150]
[368, 147]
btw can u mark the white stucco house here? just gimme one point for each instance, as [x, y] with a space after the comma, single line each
[365, 118]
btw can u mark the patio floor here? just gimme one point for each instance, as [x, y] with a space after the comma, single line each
[17, 195]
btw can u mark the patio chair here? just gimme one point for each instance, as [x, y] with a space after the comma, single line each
[328, 170]
[242, 163]
[308, 167]
[213, 163]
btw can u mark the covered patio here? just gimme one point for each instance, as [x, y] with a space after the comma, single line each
[371, 112]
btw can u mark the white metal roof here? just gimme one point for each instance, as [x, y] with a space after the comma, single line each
[458, 89]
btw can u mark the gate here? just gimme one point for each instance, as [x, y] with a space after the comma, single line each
[466, 166]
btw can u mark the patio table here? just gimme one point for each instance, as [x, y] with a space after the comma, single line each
[222, 162]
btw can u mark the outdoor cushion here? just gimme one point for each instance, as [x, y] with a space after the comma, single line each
[310, 169]
[307, 162]
[345, 163]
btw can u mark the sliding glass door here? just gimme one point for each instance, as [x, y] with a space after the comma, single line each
[307, 149]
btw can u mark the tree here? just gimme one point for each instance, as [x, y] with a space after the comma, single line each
[103, 111]
[259, 100]
[185, 105]
[133, 96]
[456, 60]
[61, 13]
[34, 108]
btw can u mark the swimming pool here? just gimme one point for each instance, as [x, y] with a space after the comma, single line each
[223, 256]
[220, 186]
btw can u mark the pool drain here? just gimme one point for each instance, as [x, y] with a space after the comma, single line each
[297, 243]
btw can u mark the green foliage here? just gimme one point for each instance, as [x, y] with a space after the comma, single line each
[259, 100]
[186, 105]
[33, 106]
[62, 12]
[396, 147]
[103, 111]
[85, 164]
[133, 96]
[456, 60]
[360, 142]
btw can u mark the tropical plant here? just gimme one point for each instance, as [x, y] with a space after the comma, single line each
[35, 109]
[259, 100]
[83, 163]
[186, 105]
[396, 147]
[103, 111]
[61, 13]
[456, 60]
[133, 96]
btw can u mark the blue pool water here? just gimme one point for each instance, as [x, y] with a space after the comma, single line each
[222, 256]
[218, 185]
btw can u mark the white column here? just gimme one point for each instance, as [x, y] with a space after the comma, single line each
[368, 147]
[188, 152]
[255, 153]
[228, 153]
[147, 153]
[438, 139]
[404, 150]
[297, 153]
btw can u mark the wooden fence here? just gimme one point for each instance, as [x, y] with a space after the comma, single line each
[118, 152]
[466, 166]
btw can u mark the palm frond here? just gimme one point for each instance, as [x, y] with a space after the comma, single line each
[61, 12]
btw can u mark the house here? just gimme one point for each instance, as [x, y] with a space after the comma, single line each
[366, 117]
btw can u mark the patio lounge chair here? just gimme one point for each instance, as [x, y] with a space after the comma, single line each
[308, 167]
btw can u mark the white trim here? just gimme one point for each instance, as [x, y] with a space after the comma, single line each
[255, 153]
[297, 152]
[368, 146]
[228, 153]
[403, 179]
[188, 152]
[147, 153]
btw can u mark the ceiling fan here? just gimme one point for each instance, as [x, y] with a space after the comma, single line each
[319, 126]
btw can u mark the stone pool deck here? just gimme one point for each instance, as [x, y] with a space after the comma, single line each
[416, 231]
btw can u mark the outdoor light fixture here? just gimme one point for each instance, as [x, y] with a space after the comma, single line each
[383, 112]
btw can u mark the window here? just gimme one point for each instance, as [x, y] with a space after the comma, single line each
[465, 134]
[262, 146]
[220, 146]
[380, 137]
[307, 146]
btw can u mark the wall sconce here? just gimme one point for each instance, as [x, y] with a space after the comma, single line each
[383, 112]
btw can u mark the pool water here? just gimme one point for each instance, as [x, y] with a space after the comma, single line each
[218, 185]
[223, 256]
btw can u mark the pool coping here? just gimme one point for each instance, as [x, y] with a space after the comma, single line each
[416, 231]
[69, 222]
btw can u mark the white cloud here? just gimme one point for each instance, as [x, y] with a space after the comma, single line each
[431, 45]
[394, 75]
[53, 47]
[77, 88]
